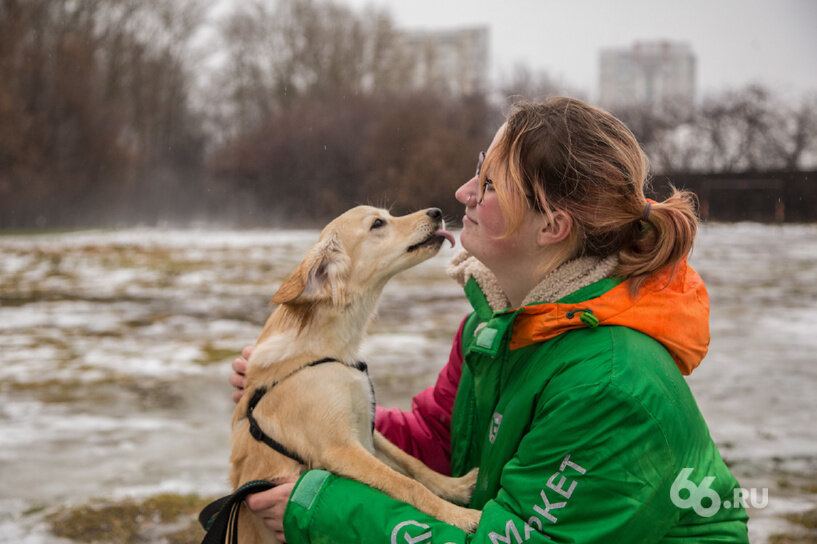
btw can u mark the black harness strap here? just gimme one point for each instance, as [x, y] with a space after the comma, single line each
[261, 436]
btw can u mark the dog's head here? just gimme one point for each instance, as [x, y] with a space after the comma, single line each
[359, 251]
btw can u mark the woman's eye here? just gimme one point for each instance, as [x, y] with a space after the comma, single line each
[377, 224]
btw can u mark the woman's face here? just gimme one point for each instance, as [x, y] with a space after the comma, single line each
[483, 226]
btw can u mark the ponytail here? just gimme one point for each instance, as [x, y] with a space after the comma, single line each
[666, 237]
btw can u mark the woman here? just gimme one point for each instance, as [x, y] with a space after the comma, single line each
[565, 384]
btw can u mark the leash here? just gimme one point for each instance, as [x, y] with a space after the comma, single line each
[220, 517]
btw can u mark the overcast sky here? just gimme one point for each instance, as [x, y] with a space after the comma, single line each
[736, 42]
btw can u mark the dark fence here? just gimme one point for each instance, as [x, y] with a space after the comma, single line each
[770, 197]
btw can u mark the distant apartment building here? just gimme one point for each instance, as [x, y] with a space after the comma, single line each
[657, 74]
[454, 60]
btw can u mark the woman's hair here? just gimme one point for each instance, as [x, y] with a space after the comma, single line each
[566, 155]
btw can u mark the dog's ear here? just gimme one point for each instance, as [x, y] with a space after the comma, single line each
[320, 277]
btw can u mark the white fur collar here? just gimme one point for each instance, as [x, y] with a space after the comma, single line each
[559, 283]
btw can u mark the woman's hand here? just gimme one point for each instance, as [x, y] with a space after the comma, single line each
[271, 504]
[237, 378]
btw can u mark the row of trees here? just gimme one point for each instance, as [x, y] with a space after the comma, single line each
[743, 130]
[94, 105]
[125, 110]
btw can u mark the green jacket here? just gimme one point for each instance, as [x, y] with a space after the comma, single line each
[589, 436]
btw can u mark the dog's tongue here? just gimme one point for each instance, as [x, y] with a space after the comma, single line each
[447, 235]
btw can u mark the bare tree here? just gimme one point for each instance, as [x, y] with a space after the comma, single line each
[792, 133]
[278, 53]
[525, 84]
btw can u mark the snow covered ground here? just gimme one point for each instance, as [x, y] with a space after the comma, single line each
[115, 349]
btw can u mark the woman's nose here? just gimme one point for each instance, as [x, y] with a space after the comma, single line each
[467, 193]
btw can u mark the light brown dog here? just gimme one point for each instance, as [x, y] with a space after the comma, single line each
[323, 413]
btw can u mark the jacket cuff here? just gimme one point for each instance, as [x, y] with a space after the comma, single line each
[302, 505]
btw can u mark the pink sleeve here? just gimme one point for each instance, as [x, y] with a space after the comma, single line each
[425, 430]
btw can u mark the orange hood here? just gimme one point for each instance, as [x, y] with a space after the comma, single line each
[672, 307]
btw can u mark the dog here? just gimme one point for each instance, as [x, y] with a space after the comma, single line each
[305, 393]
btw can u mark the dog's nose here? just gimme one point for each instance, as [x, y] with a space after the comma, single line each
[435, 213]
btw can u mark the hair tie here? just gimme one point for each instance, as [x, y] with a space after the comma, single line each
[646, 213]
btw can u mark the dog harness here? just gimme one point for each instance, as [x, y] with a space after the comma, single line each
[220, 517]
[261, 436]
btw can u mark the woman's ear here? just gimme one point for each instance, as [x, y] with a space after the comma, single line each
[555, 228]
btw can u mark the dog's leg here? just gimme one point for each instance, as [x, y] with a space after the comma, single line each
[457, 490]
[354, 461]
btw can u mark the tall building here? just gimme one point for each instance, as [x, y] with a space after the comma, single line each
[454, 60]
[657, 74]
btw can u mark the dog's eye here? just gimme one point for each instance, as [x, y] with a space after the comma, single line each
[377, 224]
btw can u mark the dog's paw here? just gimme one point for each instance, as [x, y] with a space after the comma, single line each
[467, 520]
[463, 487]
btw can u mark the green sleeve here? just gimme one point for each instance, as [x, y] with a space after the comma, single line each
[325, 508]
